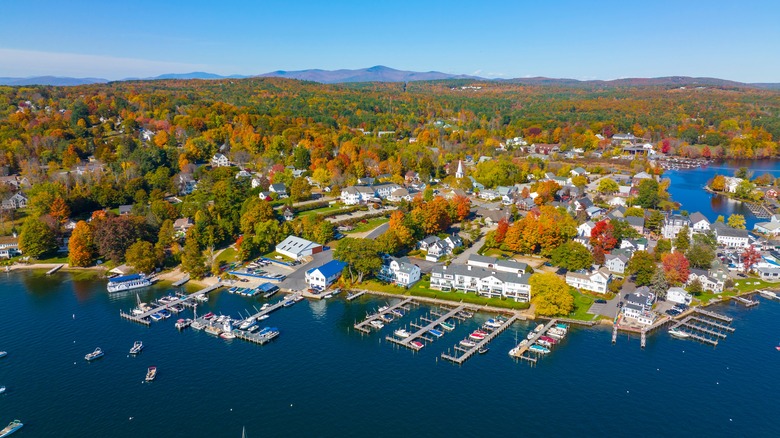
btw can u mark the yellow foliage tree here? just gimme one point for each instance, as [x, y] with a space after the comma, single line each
[550, 295]
[81, 247]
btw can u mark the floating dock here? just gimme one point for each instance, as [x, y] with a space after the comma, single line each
[465, 354]
[745, 301]
[143, 318]
[523, 347]
[182, 281]
[713, 315]
[365, 325]
[54, 269]
[423, 330]
[708, 330]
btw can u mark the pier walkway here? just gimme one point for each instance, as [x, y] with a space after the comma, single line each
[745, 301]
[143, 318]
[713, 315]
[519, 351]
[696, 327]
[467, 353]
[422, 330]
[181, 282]
[352, 296]
[365, 325]
[54, 269]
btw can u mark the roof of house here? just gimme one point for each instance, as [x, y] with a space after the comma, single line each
[697, 217]
[278, 188]
[430, 240]
[635, 221]
[732, 232]
[329, 269]
[475, 271]
[618, 256]
[295, 244]
[404, 265]
[125, 208]
[183, 222]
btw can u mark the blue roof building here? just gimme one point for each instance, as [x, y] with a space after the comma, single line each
[324, 275]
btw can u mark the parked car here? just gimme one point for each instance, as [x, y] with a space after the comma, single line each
[600, 301]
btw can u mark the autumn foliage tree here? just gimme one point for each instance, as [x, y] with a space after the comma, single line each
[750, 256]
[551, 295]
[540, 232]
[503, 227]
[59, 210]
[81, 246]
[603, 236]
[675, 267]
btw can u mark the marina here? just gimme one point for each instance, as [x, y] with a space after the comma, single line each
[143, 317]
[709, 329]
[366, 325]
[463, 354]
[529, 344]
[413, 341]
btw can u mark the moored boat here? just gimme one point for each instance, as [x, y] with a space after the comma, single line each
[447, 326]
[137, 347]
[768, 294]
[98, 353]
[483, 350]
[401, 333]
[213, 330]
[3, 353]
[128, 282]
[467, 343]
[11, 428]
[679, 334]
[156, 316]
[436, 333]
[397, 312]
[197, 325]
[466, 314]
[492, 323]
[387, 317]
[227, 335]
[476, 336]
[208, 316]
[543, 343]
[417, 345]
[182, 324]
[538, 349]
[376, 324]
[151, 374]
[548, 339]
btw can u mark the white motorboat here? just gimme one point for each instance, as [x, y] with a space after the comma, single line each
[401, 333]
[137, 347]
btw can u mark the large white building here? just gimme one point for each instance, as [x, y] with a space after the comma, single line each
[731, 237]
[673, 224]
[486, 282]
[496, 264]
[679, 295]
[399, 271]
[323, 276]
[295, 247]
[354, 195]
[595, 281]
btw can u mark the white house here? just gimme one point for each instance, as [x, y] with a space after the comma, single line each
[707, 281]
[732, 183]
[586, 228]
[323, 276]
[399, 194]
[699, 223]
[731, 237]
[384, 191]
[595, 281]
[399, 271]
[295, 247]
[354, 195]
[579, 171]
[679, 295]
[486, 282]
[9, 247]
[673, 224]
[426, 243]
[280, 190]
[616, 263]
[220, 160]
[17, 200]
[437, 250]
[639, 306]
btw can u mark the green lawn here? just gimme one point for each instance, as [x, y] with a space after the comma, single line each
[227, 256]
[746, 285]
[495, 252]
[323, 210]
[581, 305]
[58, 259]
[361, 227]
[421, 289]
[273, 254]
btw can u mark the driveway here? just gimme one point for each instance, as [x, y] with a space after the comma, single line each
[297, 280]
[378, 231]
[463, 257]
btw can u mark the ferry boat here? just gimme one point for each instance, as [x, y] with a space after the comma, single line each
[538, 349]
[137, 347]
[128, 282]
[183, 324]
[401, 333]
[417, 344]
[447, 326]
[11, 428]
[466, 343]
[376, 324]
[98, 353]
[679, 334]
[151, 374]
[436, 333]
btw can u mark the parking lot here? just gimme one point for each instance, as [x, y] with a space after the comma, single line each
[296, 276]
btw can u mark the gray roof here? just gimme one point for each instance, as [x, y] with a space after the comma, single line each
[635, 221]
[475, 271]
[430, 240]
[620, 257]
[698, 217]
[732, 232]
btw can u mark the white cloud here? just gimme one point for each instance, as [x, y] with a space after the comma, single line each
[22, 63]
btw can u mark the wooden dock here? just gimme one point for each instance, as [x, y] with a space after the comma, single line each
[523, 347]
[182, 281]
[54, 269]
[252, 337]
[422, 330]
[713, 315]
[467, 353]
[365, 325]
[697, 327]
[760, 211]
[143, 318]
[352, 296]
[745, 301]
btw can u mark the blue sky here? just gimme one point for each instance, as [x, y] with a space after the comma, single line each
[572, 39]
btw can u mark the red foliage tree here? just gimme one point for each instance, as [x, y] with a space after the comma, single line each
[750, 257]
[706, 152]
[503, 226]
[603, 236]
[666, 146]
[675, 267]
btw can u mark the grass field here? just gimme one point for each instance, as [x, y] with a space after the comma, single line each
[581, 305]
[227, 256]
[323, 210]
[370, 224]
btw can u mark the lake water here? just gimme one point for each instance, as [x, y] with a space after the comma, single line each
[321, 378]
[687, 188]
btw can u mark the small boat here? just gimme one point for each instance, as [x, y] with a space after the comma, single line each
[492, 323]
[466, 314]
[265, 306]
[11, 428]
[2, 389]
[151, 374]
[3, 353]
[156, 316]
[777, 347]
[447, 326]
[202, 298]
[261, 317]
[548, 340]
[483, 350]
[539, 328]
[397, 312]
[249, 322]
[298, 297]
[467, 343]
[288, 302]
[387, 317]
[538, 349]
[183, 323]
[417, 345]
[768, 294]
[562, 326]
[98, 353]
[481, 332]
[376, 324]
[208, 316]
[531, 335]
[137, 347]
[327, 295]
[543, 343]
[477, 336]
[436, 333]
[401, 333]
[165, 313]
[513, 352]
[227, 335]
[197, 325]
[177, 308]
[382, 309]
[679, 334]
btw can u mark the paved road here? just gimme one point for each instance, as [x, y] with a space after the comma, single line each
[297, 280]
[463, 257]
[378, 231]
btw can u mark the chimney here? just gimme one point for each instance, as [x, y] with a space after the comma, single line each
[444, 268]
[468, 267]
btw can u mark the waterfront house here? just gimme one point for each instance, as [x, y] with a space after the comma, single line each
[399, 271]
[485, 282]
[707, 281]
[383, 191]
[731, 183]
[678, 295]
[770, 228]
[295, 247]
[768, 273]
[9, 247]
[616, 263]
[324, 275]
[639, 306]
[594, 281]
[639, 177]
[437, 250]
[220, 160]
[731, 237]
[699, 223]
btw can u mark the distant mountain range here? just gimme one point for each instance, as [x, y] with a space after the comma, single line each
[381, 73]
